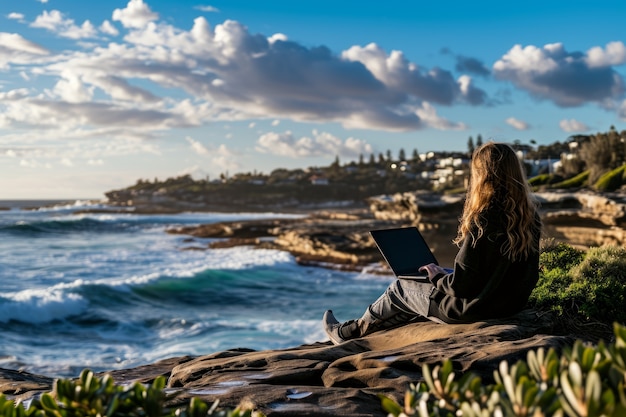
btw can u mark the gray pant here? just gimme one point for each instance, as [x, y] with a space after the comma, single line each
[405, 300]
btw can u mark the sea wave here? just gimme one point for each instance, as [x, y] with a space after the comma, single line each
[196, 279]
[56, 223]
[63, 225]
[40, 306]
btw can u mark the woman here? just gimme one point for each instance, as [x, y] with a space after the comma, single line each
[495, 270]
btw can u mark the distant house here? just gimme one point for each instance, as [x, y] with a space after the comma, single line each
[402, 166]
[318, 180]
[452, 162]
[548, 166]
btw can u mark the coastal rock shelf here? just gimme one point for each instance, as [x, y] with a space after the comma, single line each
[341, 239]
[346, 379]
[322, 379]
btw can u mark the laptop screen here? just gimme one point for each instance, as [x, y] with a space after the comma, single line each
[404, 249]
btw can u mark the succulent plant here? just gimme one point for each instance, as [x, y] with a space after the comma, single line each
[583, 381]
[92, 396]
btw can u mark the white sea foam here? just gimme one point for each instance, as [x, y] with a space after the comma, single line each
[40, 306]
[74, 205]
[194, 263]
[309, 331]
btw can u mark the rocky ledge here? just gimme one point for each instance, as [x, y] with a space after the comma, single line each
[340, 239]
[322, 379]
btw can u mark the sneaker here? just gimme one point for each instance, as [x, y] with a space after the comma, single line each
[331, 327]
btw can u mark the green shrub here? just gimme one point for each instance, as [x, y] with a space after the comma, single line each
[583, 381]
[584, 286]
[611, 180]
[577, 181]
[561, 256]
[598, 288]
[90, 396]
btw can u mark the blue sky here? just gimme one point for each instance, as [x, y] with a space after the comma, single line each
[95, 95]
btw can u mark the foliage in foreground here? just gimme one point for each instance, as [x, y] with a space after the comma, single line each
[91, 396]
[583, 381]
[582, 286]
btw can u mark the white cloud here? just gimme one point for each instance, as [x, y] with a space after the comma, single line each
[400, 75]
[517, 124]
[230, 74]
[197, 147]
[572, 125]
[13, 94]
[428, 115]
[275, 122]
[567, 79]
[108, 28]
[48, 149]
[15, 16]
[55, 21]
[225, 159]
[613, 54]
[137, 14]
[320, 144]
[209, 9]
[73, 90]
[277, 37]
[221, 157]
[16, 49]
[238, 70]
[49, 20]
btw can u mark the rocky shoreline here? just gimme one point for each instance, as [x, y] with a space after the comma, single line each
[340, 239]
[323, 380]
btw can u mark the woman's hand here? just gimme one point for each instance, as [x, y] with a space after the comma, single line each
[433, 270]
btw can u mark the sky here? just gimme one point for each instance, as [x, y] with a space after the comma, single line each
[96, 95]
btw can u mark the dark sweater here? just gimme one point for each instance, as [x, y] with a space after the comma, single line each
[484, 284]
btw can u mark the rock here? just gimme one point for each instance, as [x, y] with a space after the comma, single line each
[323, 379]
[584, 219]
[607, 209]
[413, 206]
[23, 385]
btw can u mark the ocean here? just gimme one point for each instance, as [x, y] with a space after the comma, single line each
[108, 291]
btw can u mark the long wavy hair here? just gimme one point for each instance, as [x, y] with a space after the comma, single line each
[498, 184]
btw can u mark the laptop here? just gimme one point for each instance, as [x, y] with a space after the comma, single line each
[405, 251]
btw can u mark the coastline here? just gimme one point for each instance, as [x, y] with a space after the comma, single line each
[323, 379]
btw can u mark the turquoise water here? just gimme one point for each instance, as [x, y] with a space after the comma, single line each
[109, 291]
